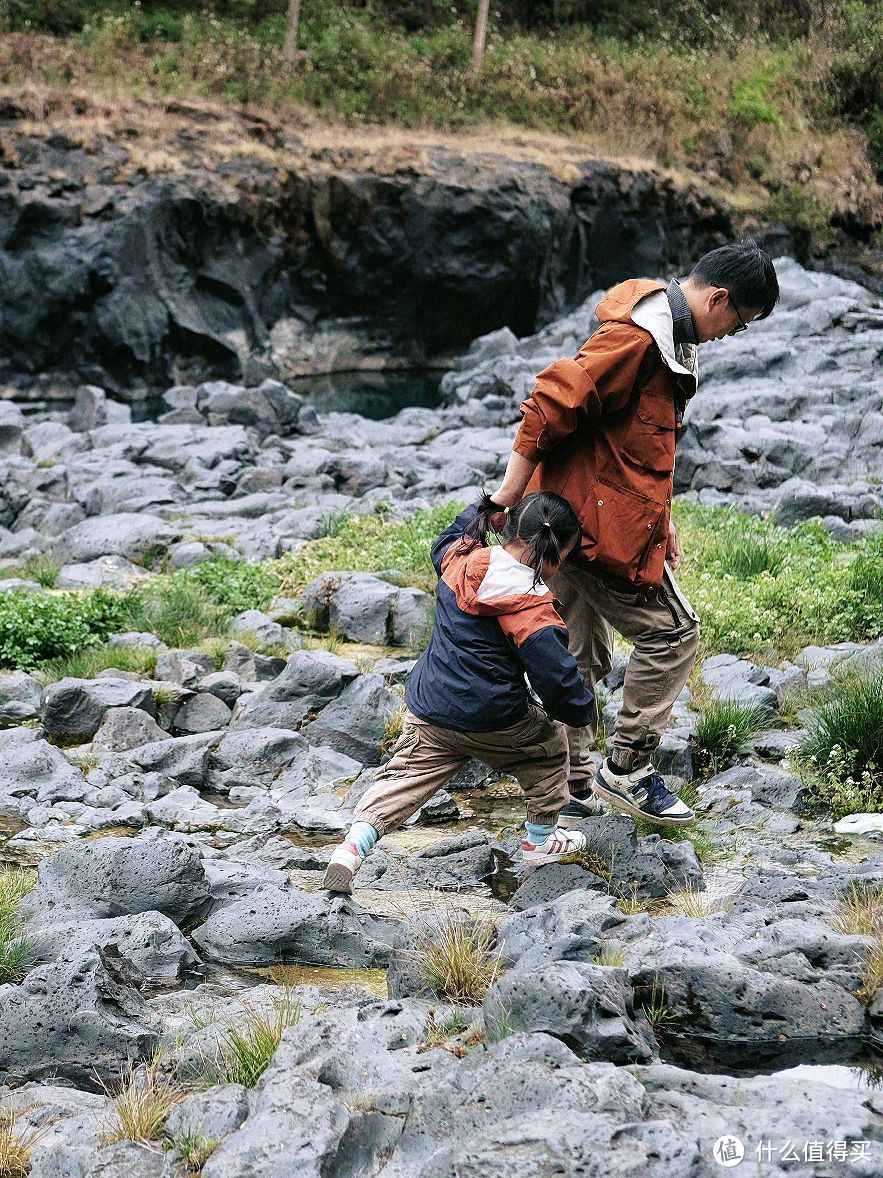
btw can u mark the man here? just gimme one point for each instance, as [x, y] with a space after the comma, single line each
[601, 431]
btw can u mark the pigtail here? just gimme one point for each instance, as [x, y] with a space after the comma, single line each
[545, 547]
[476, 534]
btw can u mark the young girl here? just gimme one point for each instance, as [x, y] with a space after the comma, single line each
[467, 697]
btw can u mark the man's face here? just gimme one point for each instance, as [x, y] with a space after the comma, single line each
[718, 315]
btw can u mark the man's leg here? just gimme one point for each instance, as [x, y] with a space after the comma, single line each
[665, 633]
[590, 639]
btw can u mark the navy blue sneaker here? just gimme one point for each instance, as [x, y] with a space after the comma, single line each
[642, 793]
[587, 806]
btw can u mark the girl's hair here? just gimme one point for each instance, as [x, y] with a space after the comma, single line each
[544, 521]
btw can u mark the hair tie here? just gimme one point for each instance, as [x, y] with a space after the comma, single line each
[546, 524]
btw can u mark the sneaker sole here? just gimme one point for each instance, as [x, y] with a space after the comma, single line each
[338, 878]
[620, 803]
[537, 860]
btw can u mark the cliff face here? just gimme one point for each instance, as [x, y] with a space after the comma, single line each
[144, 246]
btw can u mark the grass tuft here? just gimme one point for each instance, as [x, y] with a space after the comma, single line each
[16, 1146]
[859, 912]
[90, 662]
[192, 1147]
[689, 901]
[246, 1052]
[141, 1104]
[459, 958]
[842, 754]
[609, 955]
[872, 974]
[656, 1008]
[722, 730]
[14, 945]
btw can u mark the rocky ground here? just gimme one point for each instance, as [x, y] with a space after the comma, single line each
[654, 998]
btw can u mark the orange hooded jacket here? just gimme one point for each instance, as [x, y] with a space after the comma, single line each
[603, 429]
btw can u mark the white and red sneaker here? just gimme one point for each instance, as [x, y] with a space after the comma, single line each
[556, 846]
[342, 866]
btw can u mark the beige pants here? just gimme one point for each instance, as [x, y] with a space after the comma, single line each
[533, 751]
[665, 633]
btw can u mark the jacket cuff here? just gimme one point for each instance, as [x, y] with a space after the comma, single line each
[532, 450]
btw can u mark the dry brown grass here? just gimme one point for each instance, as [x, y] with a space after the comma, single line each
[142, 1103]
[16, 1145]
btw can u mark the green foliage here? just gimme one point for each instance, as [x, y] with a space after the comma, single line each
[177, 610]
[14, 946]
[751, 104]
[843, 749]
[192, 1146]
[722, 730]
[807, 593]
[368, 543]
[35, 627]
[236, 585]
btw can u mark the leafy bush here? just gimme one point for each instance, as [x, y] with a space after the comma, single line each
[843, 750]
[723, 729]
[35, 627]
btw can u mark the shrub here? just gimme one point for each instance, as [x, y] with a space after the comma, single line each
[723, 729]
[35, 627]
[246, 1053]
[843, 748]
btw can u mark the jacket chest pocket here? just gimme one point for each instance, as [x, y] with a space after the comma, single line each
[649, 441]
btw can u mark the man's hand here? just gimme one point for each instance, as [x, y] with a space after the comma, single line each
[511, 490]
[673, 553]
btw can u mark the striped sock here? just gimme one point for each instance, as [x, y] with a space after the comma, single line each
[538, 833]
[364, 835]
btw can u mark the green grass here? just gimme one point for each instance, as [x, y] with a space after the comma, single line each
[40, 568]
[246, 1051]
[89, 662]
[141, 1103]
[369, 543]
[842, 753]
[722, 730]
[192, 1147]
[758, 587]
[14, 946]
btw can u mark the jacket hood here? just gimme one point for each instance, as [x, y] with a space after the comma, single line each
[644, 302]
[489, 581]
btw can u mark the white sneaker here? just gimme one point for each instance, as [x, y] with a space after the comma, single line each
[556, 846]
[342, 866]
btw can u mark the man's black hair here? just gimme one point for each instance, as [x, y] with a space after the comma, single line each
[745, 270]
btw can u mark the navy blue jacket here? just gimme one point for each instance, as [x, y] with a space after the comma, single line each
[493, 626]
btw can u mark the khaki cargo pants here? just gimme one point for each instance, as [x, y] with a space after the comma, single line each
[534, 751]
[665, 633]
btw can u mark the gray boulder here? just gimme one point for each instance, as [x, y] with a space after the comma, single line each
[76, 707]
[739, 680]
[31, 766]
[589, 1007]
[357, 721]
[128, 534]
[73, 1020]
[151, 946]
[126, 728]
[224, 684]
[366, 608]
[202, 712]
[213, 1114]
[120, 877]
[274, 926]
[183, 758]
[106, 572]
[185, 667]
[309, 681]
[19, 697]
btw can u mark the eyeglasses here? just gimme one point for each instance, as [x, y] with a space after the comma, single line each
[742, 326]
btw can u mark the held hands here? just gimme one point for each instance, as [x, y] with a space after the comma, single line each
[673, 553]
